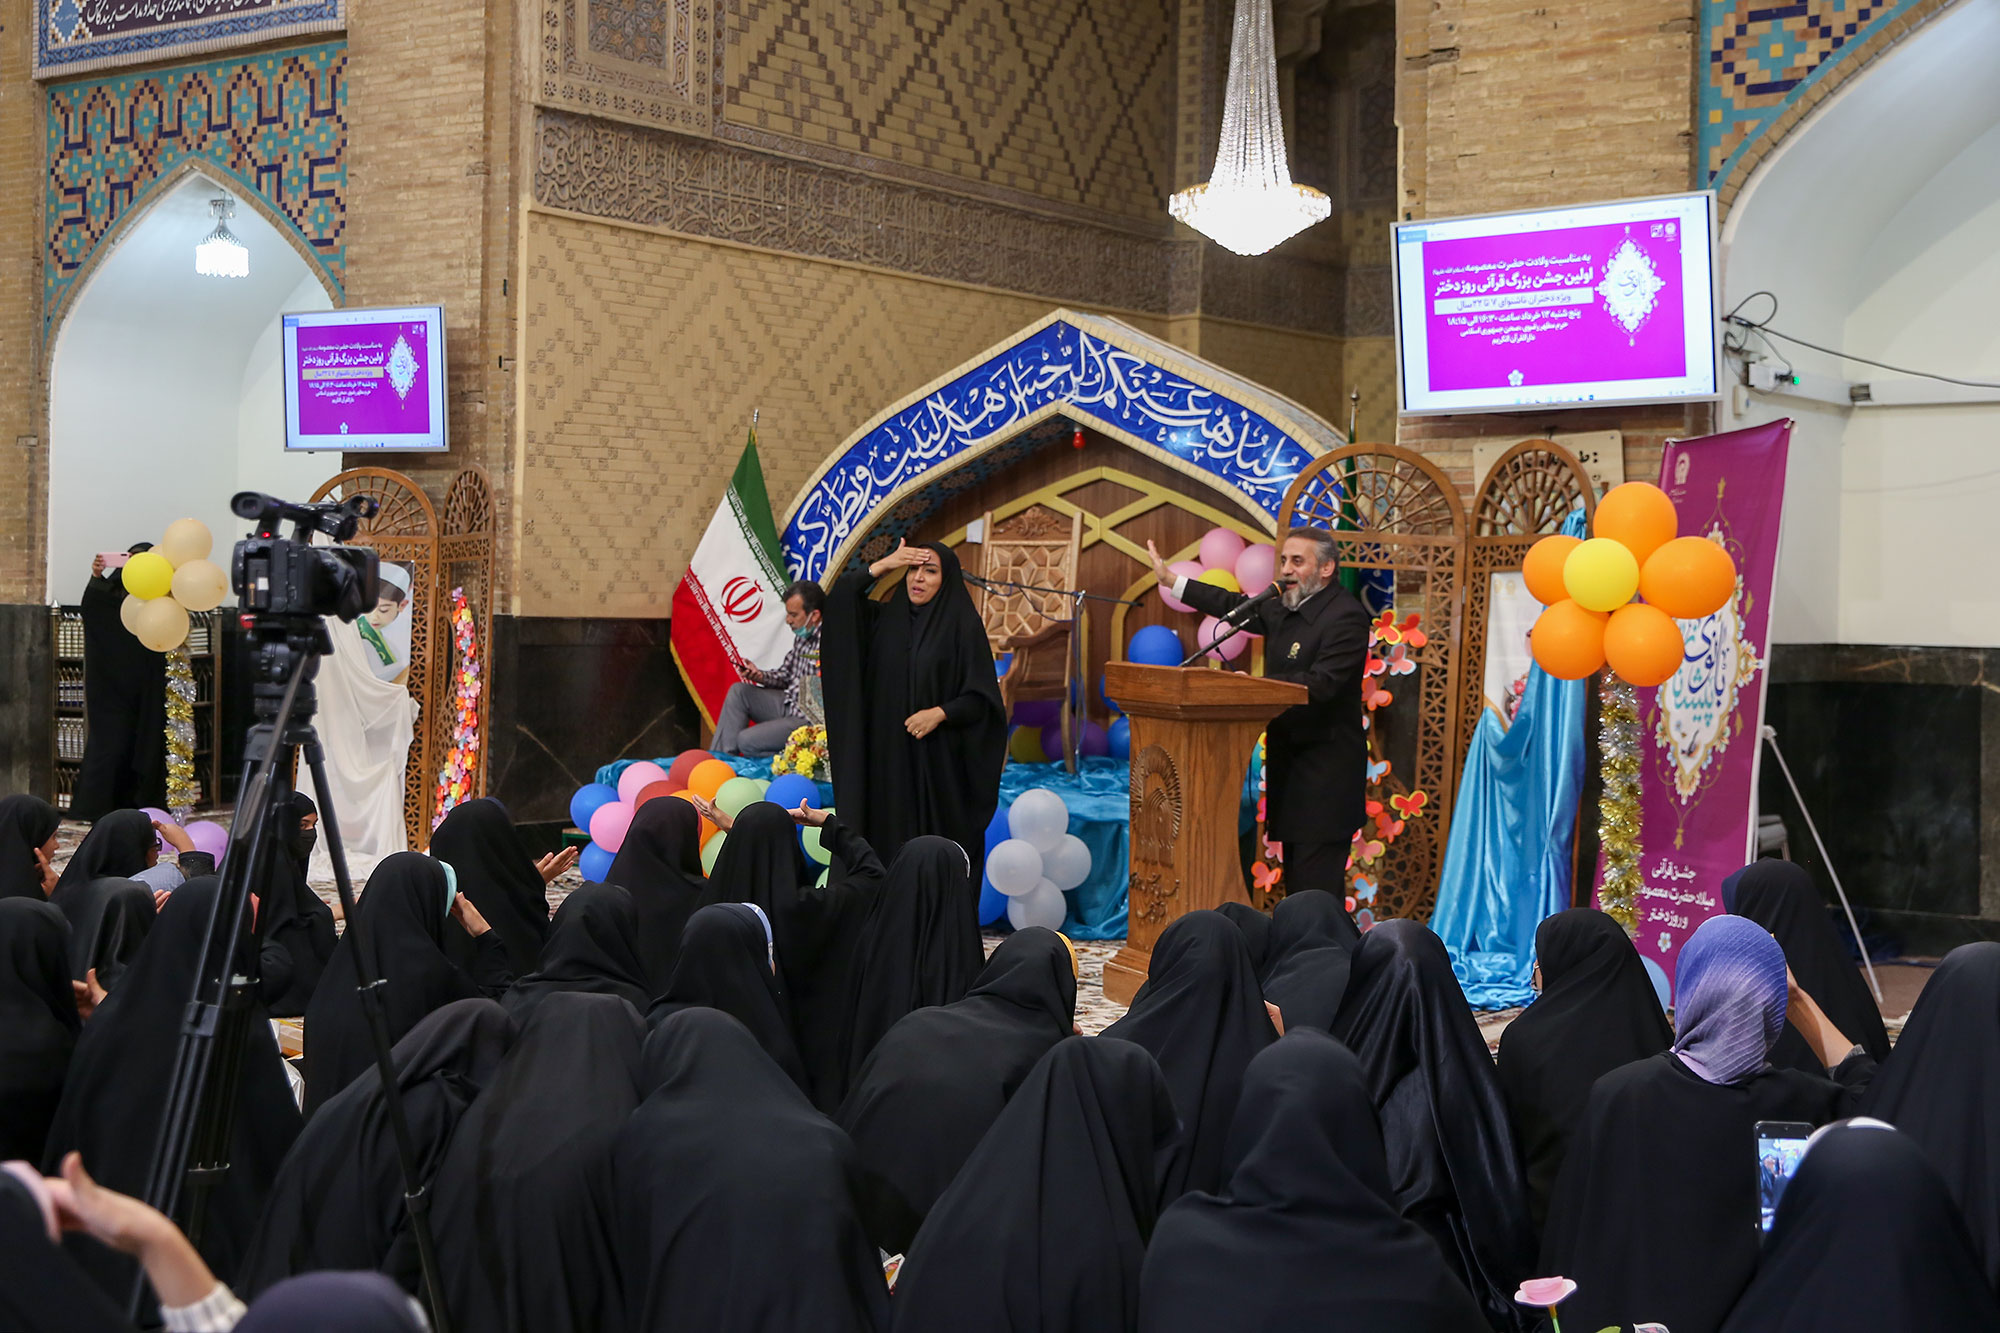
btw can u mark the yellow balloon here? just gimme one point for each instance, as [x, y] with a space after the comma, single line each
[1221, 578]
[1601, 575]
[148, 575]
[161, 624]
[128, 610]
[186, 539]
[200, 585]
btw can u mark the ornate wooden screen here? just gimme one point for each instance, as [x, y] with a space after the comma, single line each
[1393, 510]
[1038, 547]
[465, 560]
[405, 529]
[1529, 492]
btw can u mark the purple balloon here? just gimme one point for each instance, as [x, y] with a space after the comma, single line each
[1095, 740]
[153, 812]
[209, 837]
[1052, 745]
[1037, 712]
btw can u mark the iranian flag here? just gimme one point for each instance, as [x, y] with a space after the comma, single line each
[730, 605]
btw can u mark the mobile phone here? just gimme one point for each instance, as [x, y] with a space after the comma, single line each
[1780, 1145]
[114, 559]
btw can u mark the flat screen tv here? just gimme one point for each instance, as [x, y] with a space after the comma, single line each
[1589, 305]
[365, 380]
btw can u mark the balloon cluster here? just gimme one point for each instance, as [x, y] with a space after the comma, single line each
[1037, 734]
[1589, 588]
[606, 811]
[207, 835]
[164, 584]
[1234, 565]
[1035, 859]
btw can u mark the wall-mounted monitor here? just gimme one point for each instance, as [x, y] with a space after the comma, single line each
[1585, 306]
[365, 380]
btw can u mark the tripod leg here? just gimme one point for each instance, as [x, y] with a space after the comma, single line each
[1771, 738]
[416, 1197]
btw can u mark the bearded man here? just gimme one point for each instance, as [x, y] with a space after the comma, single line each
[1316, 754]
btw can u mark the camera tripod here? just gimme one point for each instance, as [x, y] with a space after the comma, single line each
[191, 1153]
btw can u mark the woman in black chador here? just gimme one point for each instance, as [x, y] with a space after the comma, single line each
[913, 714]
[124, 704]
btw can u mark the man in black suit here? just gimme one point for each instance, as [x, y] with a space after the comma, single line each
[1316, 754]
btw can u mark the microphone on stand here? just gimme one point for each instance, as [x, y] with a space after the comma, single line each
[1238, 617]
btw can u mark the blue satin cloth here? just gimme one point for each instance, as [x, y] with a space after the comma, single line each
[1507, 863]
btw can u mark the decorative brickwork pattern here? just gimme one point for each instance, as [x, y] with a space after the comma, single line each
[1768, 65]
[648, 61]
[73, 36]
[1065, 100]
[275, 124]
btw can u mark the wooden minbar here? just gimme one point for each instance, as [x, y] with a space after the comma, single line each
[1192, 733]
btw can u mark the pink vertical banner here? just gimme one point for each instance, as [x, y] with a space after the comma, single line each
[1700, 733]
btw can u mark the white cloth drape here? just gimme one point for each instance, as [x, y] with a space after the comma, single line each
[366, 726]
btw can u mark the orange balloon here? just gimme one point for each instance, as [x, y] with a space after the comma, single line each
[708, 776]
[1638, 514]
[1688, 578]
[708, 831]
[1543, 569]
[1643, 644]
[683, 793]
[1568, 641]
[652, 791]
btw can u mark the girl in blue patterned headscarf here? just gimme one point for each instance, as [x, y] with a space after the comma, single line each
[1730, 999]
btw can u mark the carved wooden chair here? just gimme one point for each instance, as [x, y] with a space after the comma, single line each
[1043, 630]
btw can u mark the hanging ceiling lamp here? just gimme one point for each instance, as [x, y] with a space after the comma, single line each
[220, 254]
[1251, 204]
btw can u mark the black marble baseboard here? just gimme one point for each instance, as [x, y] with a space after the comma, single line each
[1896, 752]
[27, 701]
[571, 695]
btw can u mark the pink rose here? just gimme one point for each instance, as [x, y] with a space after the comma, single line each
[1545, 1291]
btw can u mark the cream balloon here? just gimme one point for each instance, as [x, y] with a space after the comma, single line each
[161, 624]
[200, 585]
[186, 539]
[128, 611]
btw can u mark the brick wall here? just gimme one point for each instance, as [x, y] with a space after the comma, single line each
[23, 469]
[1514, 104]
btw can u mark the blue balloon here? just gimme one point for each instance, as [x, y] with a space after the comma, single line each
[1000, 666]
[1119, 737]
[1109, 702]
[789, 789]
[1155, 645]
[992, 902]
[997, 830]
[595, 863]
[587, 801]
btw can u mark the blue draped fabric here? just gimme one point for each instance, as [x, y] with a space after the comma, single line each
[1507, 863]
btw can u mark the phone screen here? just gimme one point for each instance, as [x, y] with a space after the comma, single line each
[1780, 1145]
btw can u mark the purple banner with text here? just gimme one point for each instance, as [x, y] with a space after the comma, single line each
[1699, 734]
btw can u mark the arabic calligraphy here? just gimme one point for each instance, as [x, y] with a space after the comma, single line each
[1060, 364]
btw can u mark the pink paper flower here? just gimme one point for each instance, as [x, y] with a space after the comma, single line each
[1545, 1291]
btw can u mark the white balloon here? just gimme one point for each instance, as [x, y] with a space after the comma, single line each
[1068, 862]
[1039, 816]
[1042, 905]
[1014, 866]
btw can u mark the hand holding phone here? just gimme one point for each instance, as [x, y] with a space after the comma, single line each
[1780, 1145]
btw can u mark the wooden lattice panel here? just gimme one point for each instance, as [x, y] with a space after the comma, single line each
[1036, 548]
[405, 530]
[1393, 510]
[1527, 495]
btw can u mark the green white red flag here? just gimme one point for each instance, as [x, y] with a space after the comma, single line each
[729, 607]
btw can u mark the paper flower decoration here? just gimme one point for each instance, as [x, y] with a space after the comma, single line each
[805, 753]
[1547, 1292]
[458, 775]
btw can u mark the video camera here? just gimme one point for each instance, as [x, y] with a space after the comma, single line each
[289, 577]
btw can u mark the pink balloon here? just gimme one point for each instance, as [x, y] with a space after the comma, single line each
[608, 825]
[1219, 549]
[209, 837]
[1230, 648]
[153, 812]
[635, 780]
[1187, 569]
[1255, 567]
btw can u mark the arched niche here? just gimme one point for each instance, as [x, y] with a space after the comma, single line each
[1067, 369]
[164, 385]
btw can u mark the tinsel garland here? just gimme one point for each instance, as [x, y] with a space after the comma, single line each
[1618, 814]
[181, 791]
[459, 773]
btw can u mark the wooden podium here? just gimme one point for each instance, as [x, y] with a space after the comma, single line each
[1192, 733]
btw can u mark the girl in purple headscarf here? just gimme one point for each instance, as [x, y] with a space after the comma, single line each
[1655, 1212]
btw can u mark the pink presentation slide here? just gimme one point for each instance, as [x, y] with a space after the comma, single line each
[1555, 307]
[364, 379]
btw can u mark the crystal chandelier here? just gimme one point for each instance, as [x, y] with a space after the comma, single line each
[220, 254]
[1251, 203]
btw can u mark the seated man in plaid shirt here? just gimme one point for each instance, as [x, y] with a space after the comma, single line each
[761, 711]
